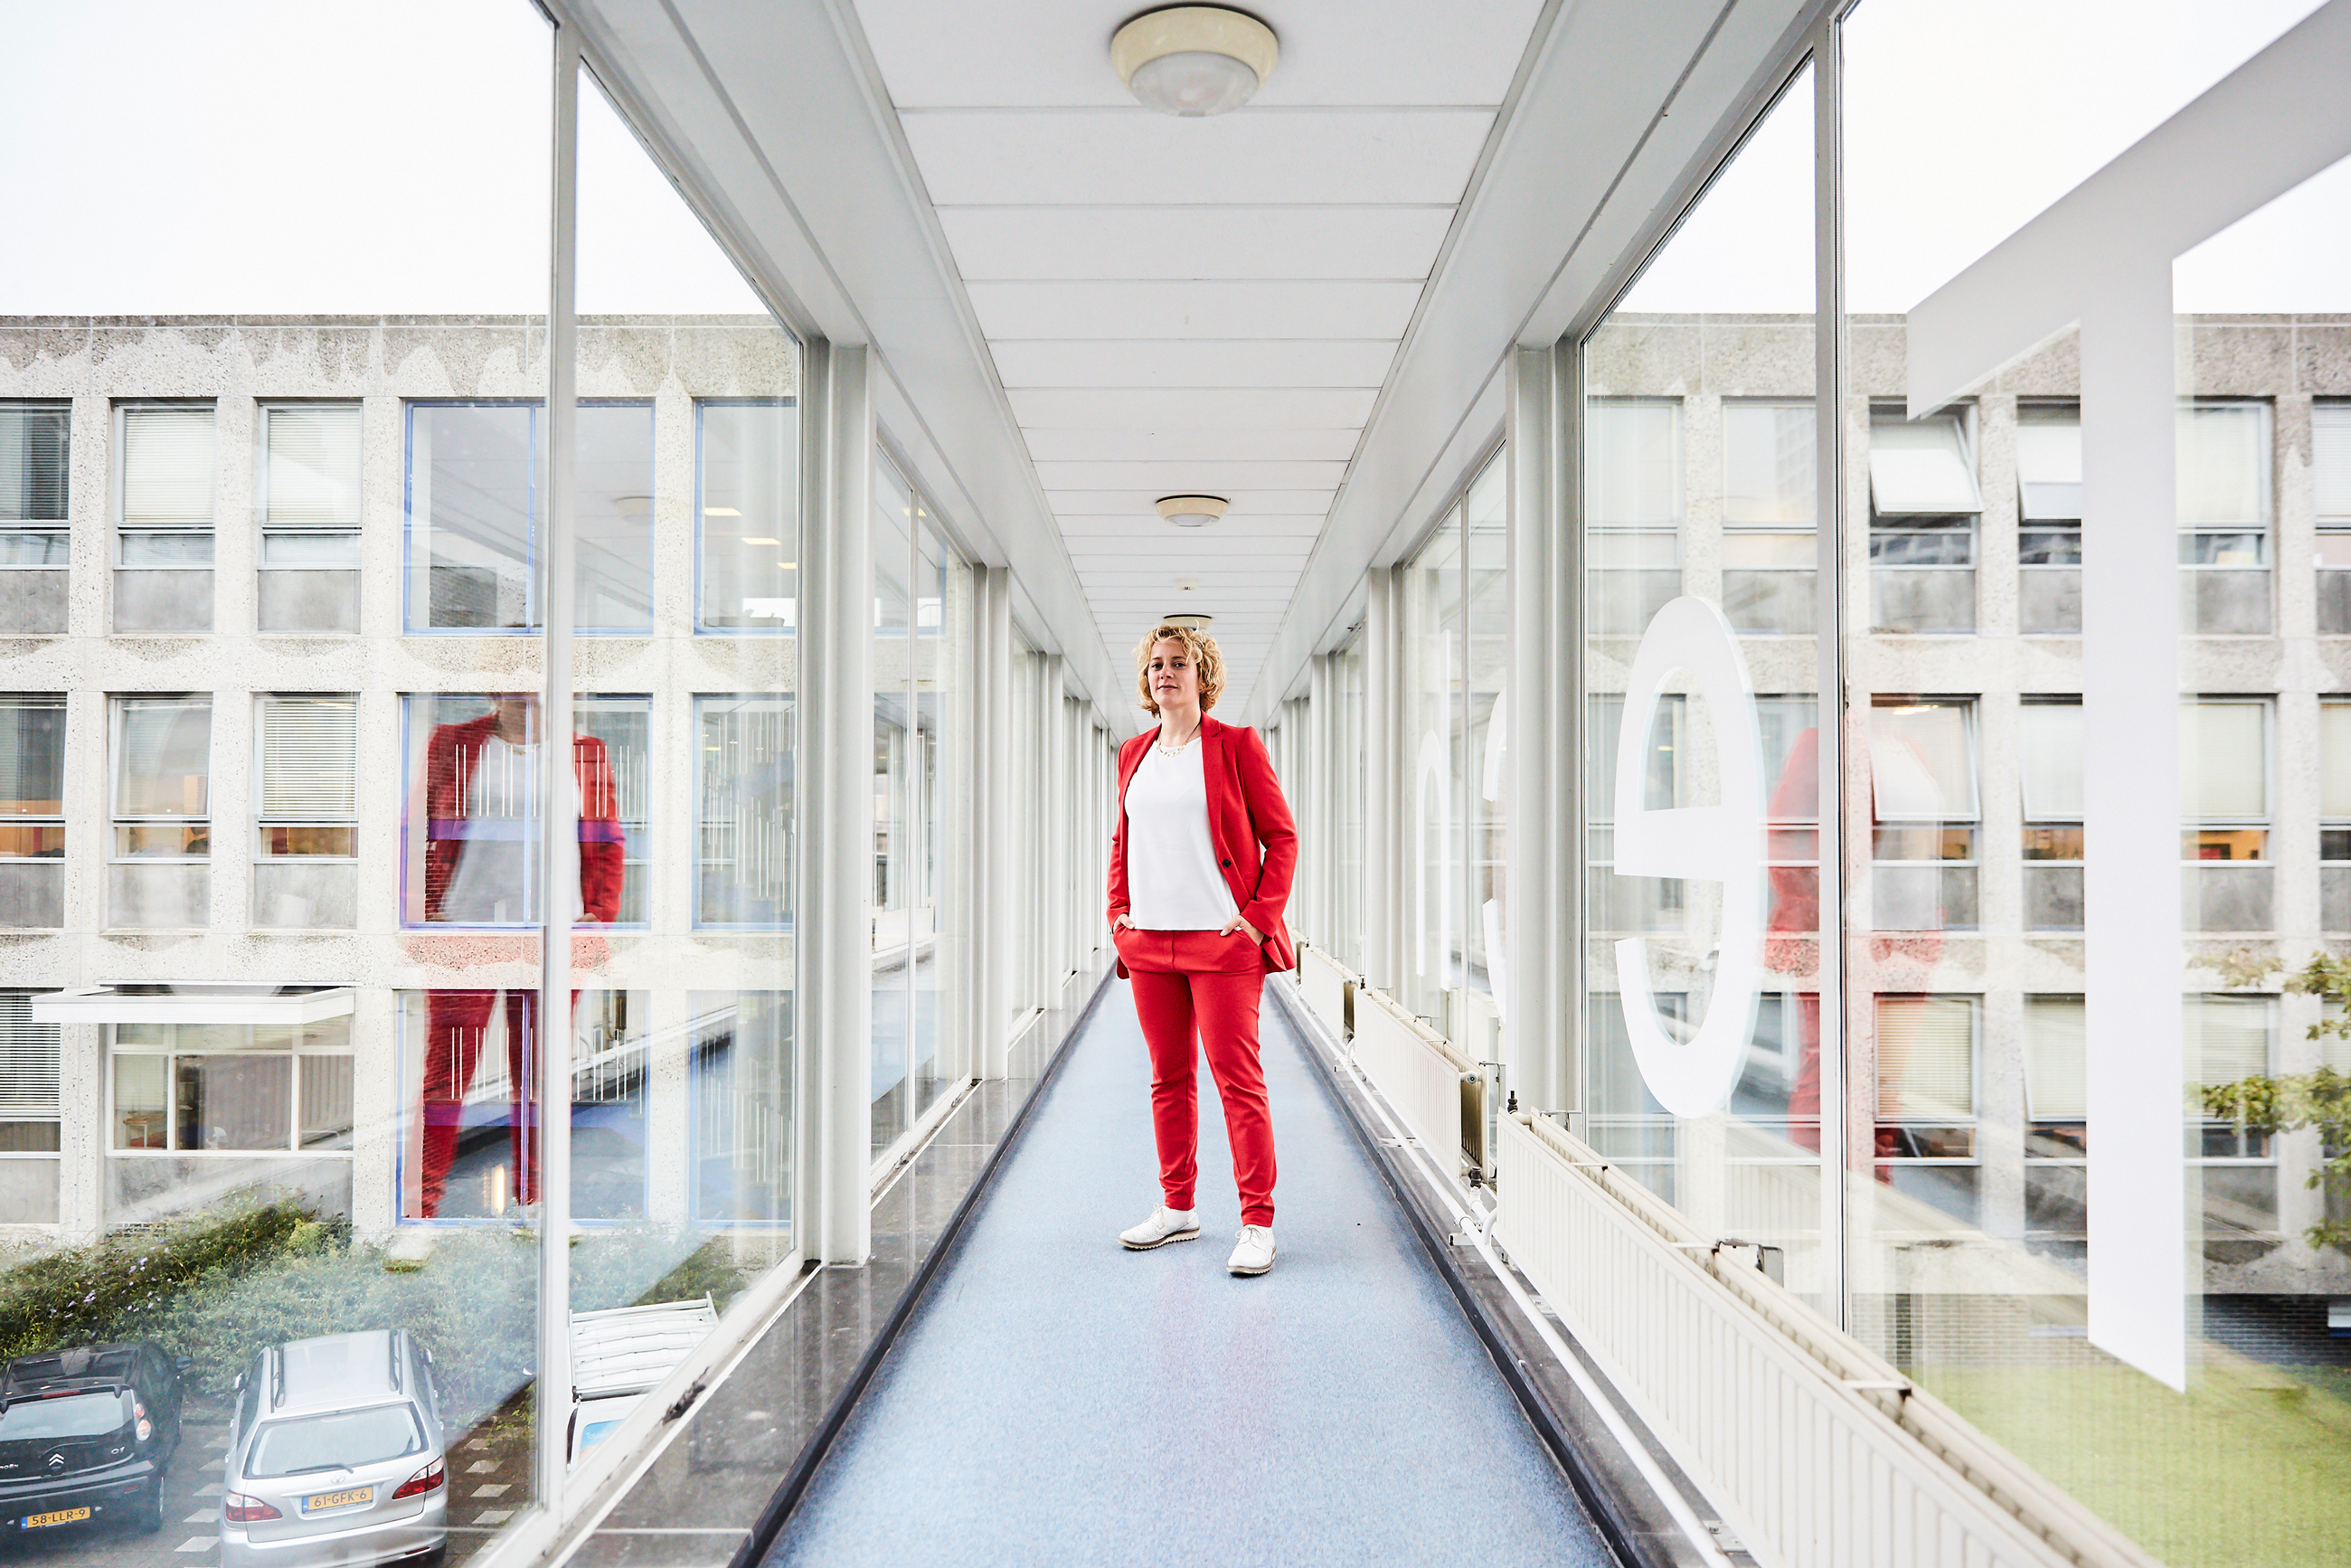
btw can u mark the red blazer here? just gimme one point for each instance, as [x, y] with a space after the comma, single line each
[451, 755]
[1246, 810]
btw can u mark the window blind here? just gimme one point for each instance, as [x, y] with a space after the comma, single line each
[31, 757]
[2335, 760]
[2052, 774]
[2223, 459]
[163, 756]
[2330, 461]
[1922, 762]
[1633, 464]
[1920, 469]
[313, 479]
[2049, 464]
[34, 445]
[167, 465]
[2227, 1038]
[1926, 1058]
[2056, 1059]
[28, 1060]
[307, 749]
[2223, 761]
[1768, 465]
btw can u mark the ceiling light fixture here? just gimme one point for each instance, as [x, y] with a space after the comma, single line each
[1193, 60]
[1182, 617]
[1192, 511]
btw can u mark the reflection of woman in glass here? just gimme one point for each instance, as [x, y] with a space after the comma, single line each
[1200, 872]
[481, 867]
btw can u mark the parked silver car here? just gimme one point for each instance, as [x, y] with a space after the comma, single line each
[337, 1457]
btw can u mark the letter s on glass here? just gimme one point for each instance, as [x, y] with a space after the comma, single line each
[1723, 843]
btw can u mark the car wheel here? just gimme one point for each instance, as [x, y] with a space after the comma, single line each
[149, 1515]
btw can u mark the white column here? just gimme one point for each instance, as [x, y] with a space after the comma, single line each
[994, 936]
[1385, 768]
[834, 926]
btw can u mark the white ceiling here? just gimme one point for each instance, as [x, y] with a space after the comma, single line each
[1212, 304]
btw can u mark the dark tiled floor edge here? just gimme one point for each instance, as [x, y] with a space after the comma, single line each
[1629, 1510]
[750, 1438]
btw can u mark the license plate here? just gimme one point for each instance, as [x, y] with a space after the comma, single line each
[63, 1516]
[317, 1501]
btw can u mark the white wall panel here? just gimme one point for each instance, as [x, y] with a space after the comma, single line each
[1179, 309]
[1194, 242]
[1128, 362]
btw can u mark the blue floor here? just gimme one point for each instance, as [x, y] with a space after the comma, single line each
[1059, 1400]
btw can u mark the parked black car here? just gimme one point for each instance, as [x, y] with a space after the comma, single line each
[85, 1435]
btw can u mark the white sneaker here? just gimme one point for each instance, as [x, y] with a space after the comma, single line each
[1254, 1255]
[1164, 1224]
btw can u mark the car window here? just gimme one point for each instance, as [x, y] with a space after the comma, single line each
[342, 1440]
[249, 1404]
[71, 1416]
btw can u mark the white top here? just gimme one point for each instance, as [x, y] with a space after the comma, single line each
[1172, 882]
[495, 880]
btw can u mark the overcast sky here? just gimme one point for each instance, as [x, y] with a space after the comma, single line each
[287, 156]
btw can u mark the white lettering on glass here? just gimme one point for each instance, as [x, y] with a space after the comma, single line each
[1721, 843]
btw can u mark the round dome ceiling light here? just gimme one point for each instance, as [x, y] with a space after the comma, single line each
[1193, 60]
[1192, 511]
[1186, 618]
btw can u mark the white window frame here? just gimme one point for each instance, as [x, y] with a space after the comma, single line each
[170, 1051]
[124, 528]
[1964, 523]
[2262, 527]
[56, 700]
[2266, 823]
[262, 819]
[116, 818]
[60, 526]
[264, 467]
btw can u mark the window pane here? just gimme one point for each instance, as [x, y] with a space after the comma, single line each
[311, 467]
[1770, 464]
[35, 451]
[613, 515]
[2225, 461]
[1926, 1058]
[1922, 761]
[2224, 761]
[28, 1058]
[472, 483]
[742, 1107]
[307, 759]
[2049, 463]
[623, 727]
[745, 756]
[241, 1102]
[2056, 1082]
[2051, 733]
[1920, 467]
[325, 1101]
[2335, 760]
[1633, 463]
[142, 1109]
[2330, 461]
[749, 514]
[2229, 1037]
[167, 465]
[163, 756]
[31, 757]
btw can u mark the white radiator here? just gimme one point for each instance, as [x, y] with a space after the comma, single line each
[1416, 1069]
[1323, 982]
[1816, 1451]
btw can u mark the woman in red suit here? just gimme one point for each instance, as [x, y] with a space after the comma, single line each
[1200, 869]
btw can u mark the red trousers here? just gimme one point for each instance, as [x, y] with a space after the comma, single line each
[454, 1023]
[1199, 983]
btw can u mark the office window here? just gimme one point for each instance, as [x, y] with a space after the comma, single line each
[613, 471]
[1633, 506]
[744, 871]
[610, 1070]
[2330, 483]
[29, 1123]
[1923, 504]
[305, 811]
[1926, 1048]
[2049, 734]
[2334, 813]
[2224, 756]
[32, 810]
[2057, 1108]
[2224, 516]
[309, 503]
[164, 534]
[2229, 1039]
[36, 468]
[162, 771]
[1769, 494]
[746, 515]
[2049, 518]
[230, 1088]
[623, 725]
[1625, 904]
[741, 1108]
[1923, 769]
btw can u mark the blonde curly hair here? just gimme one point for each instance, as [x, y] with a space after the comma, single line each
[1198, 646]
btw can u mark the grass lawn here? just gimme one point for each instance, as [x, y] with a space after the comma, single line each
[2251, 1469]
